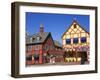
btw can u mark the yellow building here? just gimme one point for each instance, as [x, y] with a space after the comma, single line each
[75, 41]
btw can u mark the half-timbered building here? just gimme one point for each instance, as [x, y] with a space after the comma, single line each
[76, 41]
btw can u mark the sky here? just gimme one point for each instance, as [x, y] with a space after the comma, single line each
[57, 24]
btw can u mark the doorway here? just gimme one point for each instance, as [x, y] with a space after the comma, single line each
[83, 57]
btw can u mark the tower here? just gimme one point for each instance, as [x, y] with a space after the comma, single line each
[41, 28]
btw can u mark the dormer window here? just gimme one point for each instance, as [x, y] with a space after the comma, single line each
[32, 39]
[38, 38]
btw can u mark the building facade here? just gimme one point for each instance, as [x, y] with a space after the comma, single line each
[76, 41]
[41, 48]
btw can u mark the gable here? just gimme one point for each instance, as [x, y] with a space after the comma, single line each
[74, 30]
[48, 43]
[49, 40]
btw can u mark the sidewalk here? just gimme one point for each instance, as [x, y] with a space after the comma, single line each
[57, 63]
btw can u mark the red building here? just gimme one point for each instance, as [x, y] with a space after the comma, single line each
[41, 48]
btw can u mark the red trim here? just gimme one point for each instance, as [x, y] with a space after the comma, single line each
[40, 56]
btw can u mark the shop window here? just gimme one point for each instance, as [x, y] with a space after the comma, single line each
[29, 58]
[36, 56]
[75, 40]
[83, 39]
[68, 41]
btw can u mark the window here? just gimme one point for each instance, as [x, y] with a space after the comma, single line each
[68, 41]
[75, 40]
[29, 58]
[83, 39]
[36, 56]
[38, 38]
[46, 47]
[75, 25]
[31, 40]
[36, 47]
[26, 48]
[29, 48]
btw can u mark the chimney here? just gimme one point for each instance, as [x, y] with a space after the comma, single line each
[41, 28]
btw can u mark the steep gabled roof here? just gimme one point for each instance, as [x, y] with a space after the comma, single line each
[74, 21]
[42, 38]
